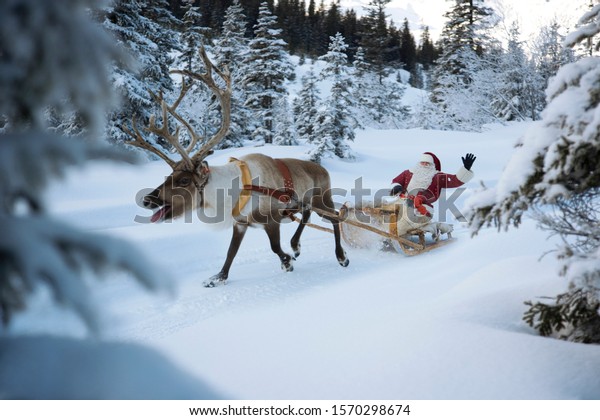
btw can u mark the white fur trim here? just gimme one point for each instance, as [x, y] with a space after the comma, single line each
[427, 158]
[464, 175]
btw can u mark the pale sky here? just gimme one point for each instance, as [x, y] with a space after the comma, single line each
[531, 14]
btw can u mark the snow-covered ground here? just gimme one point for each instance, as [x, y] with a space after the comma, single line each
[441, 325]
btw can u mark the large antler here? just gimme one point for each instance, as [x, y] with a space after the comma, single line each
[224, 97]
[140, 141]
[163, 131]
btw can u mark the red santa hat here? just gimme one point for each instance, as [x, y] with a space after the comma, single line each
[433, 159]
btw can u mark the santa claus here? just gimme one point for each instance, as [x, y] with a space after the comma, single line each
[424, 183]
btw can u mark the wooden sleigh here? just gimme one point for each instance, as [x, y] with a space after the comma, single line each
[368, 227]
[377, 227]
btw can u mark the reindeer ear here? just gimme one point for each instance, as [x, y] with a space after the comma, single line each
[204, 169]
[200, 165]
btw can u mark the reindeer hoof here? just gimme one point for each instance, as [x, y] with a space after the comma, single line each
[286, 264]
[297, 251]
[216, 280]
[214, 283]
[344, 261]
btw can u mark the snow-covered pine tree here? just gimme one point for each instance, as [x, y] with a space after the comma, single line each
[232, 46]
[418, 77]
[267, 67]
[556, 166]
[230, 50]
[393, 48]
[478, 102]
[426, 51]
[464, 33]
[377, 103]
[426, 57]
[305, 106]
[396, 114]
[374, 37]
[549, 51]
[514, 97]
[192, 36]
[548, 54]
[464, 104]
[145, 29]
[381, 105]
[408, 48]
[464, 39]
[314, 39]
[425, 116]
[362, 79]
[62, 68]
[336, 124]
[285, 131]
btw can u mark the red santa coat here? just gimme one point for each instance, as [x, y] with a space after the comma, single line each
[439, 181]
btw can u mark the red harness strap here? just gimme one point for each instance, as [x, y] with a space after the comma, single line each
[284, 195]
[288, 183]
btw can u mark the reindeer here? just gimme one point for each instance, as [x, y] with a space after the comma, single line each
[253, 182]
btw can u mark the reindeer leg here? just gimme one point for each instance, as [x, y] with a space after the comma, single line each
[339, 251]
[295, 242]
[326, 203]
[239, 230]
[273, 233]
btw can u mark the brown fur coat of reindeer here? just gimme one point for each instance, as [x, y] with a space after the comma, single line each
[254, 190]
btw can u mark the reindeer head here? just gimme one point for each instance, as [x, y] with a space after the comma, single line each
[181, 192]
[183, 189]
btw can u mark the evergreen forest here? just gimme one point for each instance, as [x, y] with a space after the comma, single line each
[476, 73]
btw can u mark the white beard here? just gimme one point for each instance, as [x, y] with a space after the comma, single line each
[421, 179]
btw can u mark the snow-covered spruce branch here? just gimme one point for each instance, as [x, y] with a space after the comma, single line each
[589, 26]
[36, 250]
[576, 219]
[30, 160]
